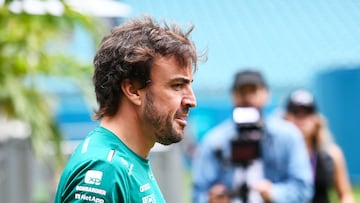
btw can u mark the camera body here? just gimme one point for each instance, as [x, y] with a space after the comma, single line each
[245, 147]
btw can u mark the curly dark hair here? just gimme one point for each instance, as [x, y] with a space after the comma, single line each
[128, 52]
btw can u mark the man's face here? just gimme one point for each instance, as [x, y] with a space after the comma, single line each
[250, 96]
[168, 100]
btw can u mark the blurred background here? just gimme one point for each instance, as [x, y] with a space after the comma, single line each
[47, 100]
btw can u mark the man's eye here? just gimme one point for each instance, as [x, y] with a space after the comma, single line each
[178, 86]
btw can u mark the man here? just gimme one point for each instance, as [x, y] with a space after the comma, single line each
[285, 166]
[142, 78]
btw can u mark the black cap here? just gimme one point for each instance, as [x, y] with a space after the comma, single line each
[248, 77]
[301, 99]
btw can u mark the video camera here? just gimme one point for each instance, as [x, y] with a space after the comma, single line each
[245, 147]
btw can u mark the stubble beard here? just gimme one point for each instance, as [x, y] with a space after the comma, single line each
[165, 132]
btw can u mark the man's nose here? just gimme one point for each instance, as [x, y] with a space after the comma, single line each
[189, 99]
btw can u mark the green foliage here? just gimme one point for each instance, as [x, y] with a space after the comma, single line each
[28, 48]
[355, 190]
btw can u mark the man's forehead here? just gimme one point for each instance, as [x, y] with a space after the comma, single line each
[171, 68]
[248, 87]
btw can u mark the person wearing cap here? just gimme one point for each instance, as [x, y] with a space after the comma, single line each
[328, 163]
[286, 168]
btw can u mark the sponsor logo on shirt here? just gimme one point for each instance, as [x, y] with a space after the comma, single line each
[88, 198]
[93, 177]
[151, 176]
[90, 189]
[149, 199]
[123, 161]
[130, 166]
[144, 187]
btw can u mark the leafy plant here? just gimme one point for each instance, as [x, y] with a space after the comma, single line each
[29, 47]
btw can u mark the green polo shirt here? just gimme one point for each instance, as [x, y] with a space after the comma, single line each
[103, 169]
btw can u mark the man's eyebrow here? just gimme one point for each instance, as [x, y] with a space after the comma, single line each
[182, 79]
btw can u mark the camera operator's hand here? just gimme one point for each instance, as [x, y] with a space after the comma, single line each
[264, 188]
[219, 194]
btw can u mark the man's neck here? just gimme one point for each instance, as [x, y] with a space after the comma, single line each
[130, 132]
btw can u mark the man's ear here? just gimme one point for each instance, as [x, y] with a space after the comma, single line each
[132, 91]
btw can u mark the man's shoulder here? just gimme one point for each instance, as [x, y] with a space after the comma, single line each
[276, 125]
[98, 149]
[98, 144]
[104, 159]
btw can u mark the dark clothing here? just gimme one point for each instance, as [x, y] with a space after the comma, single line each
[324, 172]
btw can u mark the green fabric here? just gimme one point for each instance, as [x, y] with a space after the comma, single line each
[104, 169]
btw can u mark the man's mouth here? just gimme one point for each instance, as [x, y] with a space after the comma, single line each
[181, 119]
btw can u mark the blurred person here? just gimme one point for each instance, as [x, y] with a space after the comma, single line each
[327, 159]
[284, 172]
[143, 75]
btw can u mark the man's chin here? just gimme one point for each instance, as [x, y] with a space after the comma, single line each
[171, 140]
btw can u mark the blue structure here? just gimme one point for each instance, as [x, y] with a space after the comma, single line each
[338, 96]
